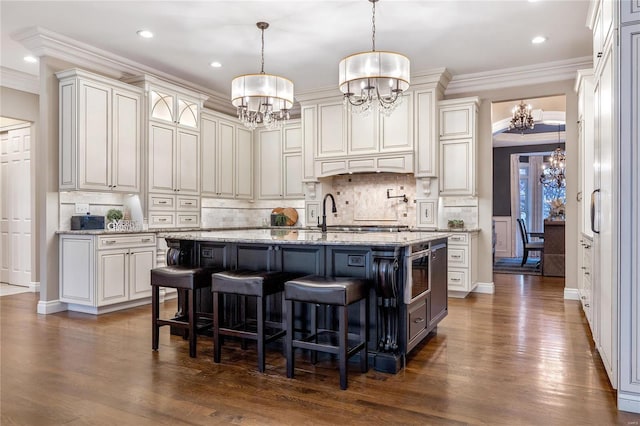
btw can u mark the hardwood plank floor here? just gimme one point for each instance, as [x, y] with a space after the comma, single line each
[523, 356]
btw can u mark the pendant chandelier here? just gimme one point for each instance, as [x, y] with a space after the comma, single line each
[522, 118]
[367, 78]
[262, 98]
[553, 176]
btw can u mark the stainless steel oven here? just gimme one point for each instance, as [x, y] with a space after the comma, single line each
[417, 279]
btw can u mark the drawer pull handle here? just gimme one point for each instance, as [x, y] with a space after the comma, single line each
[455, 279]
[162, 202]
[188, 204]
[188, 219]
[146, 240]
[110, 242]
[456, 256]
[418, 320]
[162, 219]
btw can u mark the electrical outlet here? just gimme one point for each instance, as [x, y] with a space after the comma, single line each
[82, 208]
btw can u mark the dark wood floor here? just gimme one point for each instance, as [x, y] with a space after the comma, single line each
[523, 356]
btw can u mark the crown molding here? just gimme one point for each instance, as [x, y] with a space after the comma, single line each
[19, 80]
[518, 76]
[581, 77]
[43, 42]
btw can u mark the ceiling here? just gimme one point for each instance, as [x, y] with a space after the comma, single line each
[306, 39]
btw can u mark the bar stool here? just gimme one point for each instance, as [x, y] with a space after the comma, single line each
[186, 280]
[259, 284]
[334, 291]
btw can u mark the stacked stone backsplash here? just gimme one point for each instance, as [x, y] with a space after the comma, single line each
[465, 208]
[361, 199]
[220, 213]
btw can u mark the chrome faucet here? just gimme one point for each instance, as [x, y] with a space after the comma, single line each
[323, 225]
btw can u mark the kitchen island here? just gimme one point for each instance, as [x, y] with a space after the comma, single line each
[407, 271]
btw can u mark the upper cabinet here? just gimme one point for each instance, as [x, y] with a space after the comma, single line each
[337, 141]
[458, 124]
[100, 133]
[226, 158]
[602, 26]
[165, 106]
[584, 89]
[280, 162]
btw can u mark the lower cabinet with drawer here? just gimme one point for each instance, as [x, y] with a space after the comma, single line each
[104, 273]
[462, 267]
[173, 211]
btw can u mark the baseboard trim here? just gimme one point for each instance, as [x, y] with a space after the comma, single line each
[628, 402]
[51, 307]
[486, 288]
[571, 294]
[34, 286]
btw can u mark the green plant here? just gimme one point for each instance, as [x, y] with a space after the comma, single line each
[281, 219]
[114, 215]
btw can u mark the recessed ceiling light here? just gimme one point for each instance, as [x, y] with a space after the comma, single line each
[538, 40]
[145, 33]
[216, 64]
[30, 59]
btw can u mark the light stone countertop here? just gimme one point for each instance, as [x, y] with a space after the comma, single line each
[308, 237]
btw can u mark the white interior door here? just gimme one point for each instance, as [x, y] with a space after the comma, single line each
[15, 210]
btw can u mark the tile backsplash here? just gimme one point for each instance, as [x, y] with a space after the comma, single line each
[361, 199]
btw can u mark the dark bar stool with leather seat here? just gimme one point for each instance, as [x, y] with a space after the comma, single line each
[334, 291]
[259, 284]
[186, 280]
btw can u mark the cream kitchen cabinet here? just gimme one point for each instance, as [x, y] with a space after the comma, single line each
[458, 125]
[104, 273]
[426, 133]
[584, 278]
[280, 162]
[174, 160]
[100, 133]
[376, 133]
[584, 89]
[462, 264]
[226, 158]
[170, 104]
[332, 130]
[602, 30]
[173, 211]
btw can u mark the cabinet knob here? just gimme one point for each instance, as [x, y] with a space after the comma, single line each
[599, 55]
[418, 320]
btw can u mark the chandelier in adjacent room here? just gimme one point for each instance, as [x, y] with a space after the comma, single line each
[553, 176]
[522, 118]
[373, 77]
[262, 98]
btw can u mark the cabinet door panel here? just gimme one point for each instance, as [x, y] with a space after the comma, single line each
[456, 122]
[208, 156]
[126, 142]
[396, 130]
[244, 164]
[332, 130]
[141, 262]
[455, 169]
[363, 135]
[94, 135]
[293, 187]
[270, 179]
[292, 141]
[112, 277]
[161, 158]
[188, 164]
[226, 160]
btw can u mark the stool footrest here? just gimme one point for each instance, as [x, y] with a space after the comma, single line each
[354, 344]
[246, 334]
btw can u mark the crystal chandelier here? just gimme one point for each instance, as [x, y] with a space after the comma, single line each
[553, 176]
[262, 98]
[379, 76]
[522, 118]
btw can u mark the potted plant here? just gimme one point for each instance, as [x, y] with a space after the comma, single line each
[114, 215]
